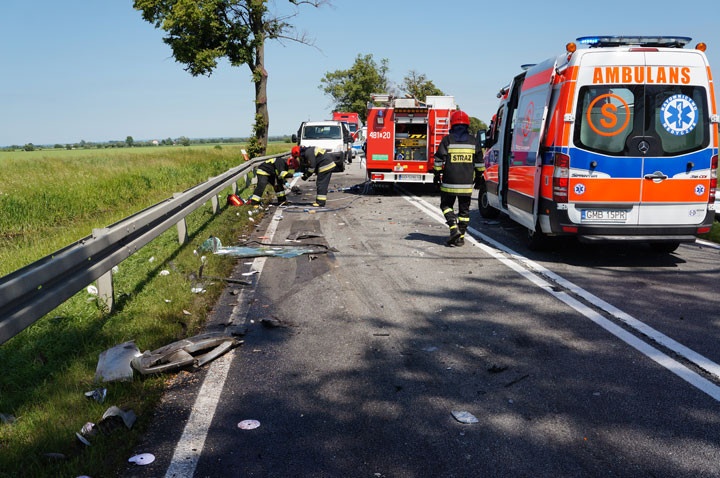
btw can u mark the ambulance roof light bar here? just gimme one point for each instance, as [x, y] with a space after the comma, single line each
[623, 40]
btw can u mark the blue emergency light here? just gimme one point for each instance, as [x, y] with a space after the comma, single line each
[623, 40]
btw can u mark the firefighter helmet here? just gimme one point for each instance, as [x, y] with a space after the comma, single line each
[295, 152]
[293, 163]
[459, 117]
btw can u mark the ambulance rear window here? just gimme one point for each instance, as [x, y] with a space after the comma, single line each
[322, 132]
[606, 117]
[677, 115]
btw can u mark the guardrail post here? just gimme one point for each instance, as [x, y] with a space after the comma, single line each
[234, 188]
[106, 291]
[214, 201]
[181, 226]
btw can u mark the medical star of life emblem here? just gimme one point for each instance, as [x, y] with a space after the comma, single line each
[700, 189]
[579, 189]
[679, 115]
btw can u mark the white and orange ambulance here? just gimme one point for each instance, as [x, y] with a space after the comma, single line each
[614, 142]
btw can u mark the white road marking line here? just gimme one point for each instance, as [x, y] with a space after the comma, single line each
[707, 243]
[654, 354]
[190, 445]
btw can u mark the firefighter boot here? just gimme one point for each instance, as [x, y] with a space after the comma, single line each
[460, 241]
[454, 236]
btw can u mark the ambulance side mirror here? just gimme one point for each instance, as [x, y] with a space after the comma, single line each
[482, 137]
[293, 138]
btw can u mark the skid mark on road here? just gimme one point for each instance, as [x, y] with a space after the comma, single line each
[530, 270]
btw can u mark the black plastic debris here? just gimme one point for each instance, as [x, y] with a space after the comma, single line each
[296, 236]
[497, 368]
[115, 418]
[195, 351]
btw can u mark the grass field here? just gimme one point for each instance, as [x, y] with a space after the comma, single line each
[50, 201]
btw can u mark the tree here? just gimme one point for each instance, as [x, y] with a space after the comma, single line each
[417, 85]
[200, 32]
[350, 89]
[58, 146]
[84, 144]
[29, 147]
[476, 125]
[184, 140]
[129, 141]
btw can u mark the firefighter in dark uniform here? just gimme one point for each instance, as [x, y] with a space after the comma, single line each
[316, 160]
[275, 172]
[457, 160]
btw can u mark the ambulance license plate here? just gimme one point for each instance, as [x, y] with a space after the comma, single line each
[409, 177]
[604, 215]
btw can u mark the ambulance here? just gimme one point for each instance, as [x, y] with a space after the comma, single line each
[614, 142]
[402, 137]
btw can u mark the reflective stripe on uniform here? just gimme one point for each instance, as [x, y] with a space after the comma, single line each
[321, 198]
[283, 174]
[270, 161]
[264, 173]
[464, 219]
[282, 193]
[255, 197]
[319, 151]
[454, 226]
[456, 189]
[327, 168]
[448, 210]
[460, 149]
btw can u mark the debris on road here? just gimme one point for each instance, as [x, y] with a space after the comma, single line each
[92, 290]
[115, 418]
[82, 439]
[261, 250]
[296, 236]
[248, 424]
[114, 363]
[513, 382]
[197, 290]
[497, 368]
[464, 417]
[211, 244]
[180, 354]
[98, 394]
[7, 419]
[164, 272]
[430, 349]
[274, 323]
[88, 429]
[142, 459]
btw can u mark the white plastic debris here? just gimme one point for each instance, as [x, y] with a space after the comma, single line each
[248, 424]
[186, 312]
[464, 417]
[250, 273]
[142, 459]
[198, 290]
[251, 219]
[92, 290]
[195, 251]
[115, 270]
[167, 301]
[164, 273]
[152, 259]
[203, 259]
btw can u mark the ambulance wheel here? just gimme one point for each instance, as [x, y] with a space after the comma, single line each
[664, 247]
[537, 240]
[486, 210]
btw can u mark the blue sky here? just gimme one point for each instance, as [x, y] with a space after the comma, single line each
[94, 70]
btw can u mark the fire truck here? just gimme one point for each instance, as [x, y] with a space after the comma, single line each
[351, 119]
[402, 136]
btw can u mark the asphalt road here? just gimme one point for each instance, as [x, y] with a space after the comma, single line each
[580, 361]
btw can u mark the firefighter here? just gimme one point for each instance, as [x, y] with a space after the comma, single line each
[275, 172]
[317, 161]
[457, 160]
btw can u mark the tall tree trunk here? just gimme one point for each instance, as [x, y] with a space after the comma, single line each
[262, 118]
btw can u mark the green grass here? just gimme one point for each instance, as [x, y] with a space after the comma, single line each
[50, 200]
[714, 234]
[48, 366]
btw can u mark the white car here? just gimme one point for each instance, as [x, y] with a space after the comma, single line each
[332, 136]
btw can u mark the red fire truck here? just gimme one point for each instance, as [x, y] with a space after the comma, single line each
[402, 136]
[352, 120]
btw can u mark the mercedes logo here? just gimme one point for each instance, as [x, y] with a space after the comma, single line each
[644, 147]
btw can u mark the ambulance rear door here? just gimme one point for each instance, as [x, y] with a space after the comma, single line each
[676, 168]
[524, 161]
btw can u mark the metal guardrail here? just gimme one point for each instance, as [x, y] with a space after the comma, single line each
[36, 289]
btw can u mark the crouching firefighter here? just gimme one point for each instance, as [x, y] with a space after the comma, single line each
[457, 160]
[318, 161]
[275, 172]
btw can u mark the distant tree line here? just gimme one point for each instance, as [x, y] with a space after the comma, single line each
[129, 142]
